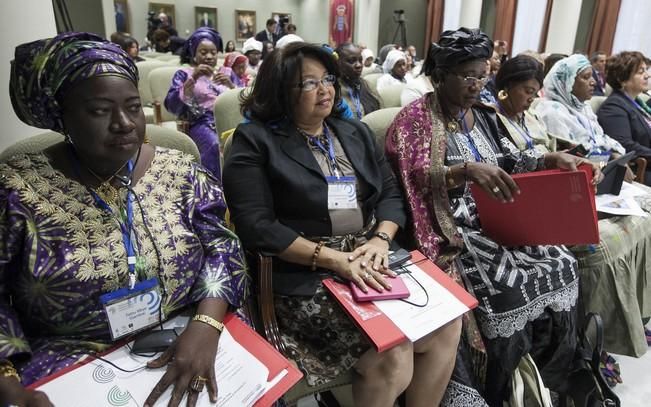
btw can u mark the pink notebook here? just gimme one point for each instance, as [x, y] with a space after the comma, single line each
[398, 290]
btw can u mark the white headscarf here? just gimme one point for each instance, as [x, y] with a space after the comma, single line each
[288, 39]
[366, 53]
[560, 79]
[392, 59]
[251, 45]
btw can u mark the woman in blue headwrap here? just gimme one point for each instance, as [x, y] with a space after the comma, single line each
[194, 90]
[103, 213]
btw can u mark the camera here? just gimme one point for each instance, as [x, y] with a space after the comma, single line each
[153, 22]
[399, 11]
[399, 15]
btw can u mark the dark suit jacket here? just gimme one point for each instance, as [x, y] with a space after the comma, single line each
[600, 86]
[625, 123]
[277, 192]
[262, 36]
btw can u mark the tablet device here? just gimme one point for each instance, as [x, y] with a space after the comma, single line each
[614, 173]
[398, 290]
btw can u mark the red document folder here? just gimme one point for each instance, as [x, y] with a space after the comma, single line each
[554, 207]
[378, 327]
[253, 343]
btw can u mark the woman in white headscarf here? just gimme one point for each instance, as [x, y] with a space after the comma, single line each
[368, 59]
[568, 86]
[395, 70]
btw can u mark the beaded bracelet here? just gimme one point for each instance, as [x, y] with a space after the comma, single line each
[315, 255]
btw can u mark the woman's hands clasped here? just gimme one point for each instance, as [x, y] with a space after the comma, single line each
[367, 265]
[190, 365]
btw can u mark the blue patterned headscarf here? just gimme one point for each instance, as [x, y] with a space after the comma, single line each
[201, 34]
[560, 79]
[43, 71]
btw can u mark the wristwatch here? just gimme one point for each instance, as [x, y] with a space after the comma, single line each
[384, 237]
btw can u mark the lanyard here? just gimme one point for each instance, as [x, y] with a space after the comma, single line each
[471, 143]
[329, 152]
[525, 134]
[126, 225]
[355, 97]
[638, 107]
[588, 127]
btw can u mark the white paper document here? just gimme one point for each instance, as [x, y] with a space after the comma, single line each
[416, 322]
[241, 380]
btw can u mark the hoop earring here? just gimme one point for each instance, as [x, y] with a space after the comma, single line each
[502, 95]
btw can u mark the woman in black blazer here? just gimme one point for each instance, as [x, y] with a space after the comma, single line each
[624, 116]
[280, 180]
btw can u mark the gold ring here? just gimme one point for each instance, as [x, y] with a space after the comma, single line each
[197, 383]
[496, 189]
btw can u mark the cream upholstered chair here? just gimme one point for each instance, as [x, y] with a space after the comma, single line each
[261, 308]
[160, 80]
[391, 95]
[596, 102]
[159, 136]
[170, 58]
[227, 110]
[147, 100]
[379, 121]
[371, 79]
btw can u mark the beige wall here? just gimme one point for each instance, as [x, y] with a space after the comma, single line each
[19, 27]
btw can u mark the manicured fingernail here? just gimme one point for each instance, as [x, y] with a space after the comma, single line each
[389, 287]
[392, 273]
[512, 200]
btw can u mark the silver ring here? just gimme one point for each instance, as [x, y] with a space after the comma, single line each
[366, 276]
[496, 189]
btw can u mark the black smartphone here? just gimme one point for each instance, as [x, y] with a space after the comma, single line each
[578, 150]
[398, 257]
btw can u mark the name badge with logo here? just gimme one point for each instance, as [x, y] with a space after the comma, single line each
[129, 311]
[341, 193]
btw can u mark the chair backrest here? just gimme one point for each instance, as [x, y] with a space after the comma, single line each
[160, 80]
[159, 136]
[227, 110]
[391, 95]
[371, 79]
[170, 58]
[144, 68]
[379, 121]
[596, 102]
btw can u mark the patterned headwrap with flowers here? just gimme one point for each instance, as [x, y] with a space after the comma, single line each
[43, 71]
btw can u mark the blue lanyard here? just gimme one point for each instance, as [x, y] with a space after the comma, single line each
[637, 106]
[471, 143]
[355, 97]
[329, 152]
[593, 138]
[525, 135]
[126, 226]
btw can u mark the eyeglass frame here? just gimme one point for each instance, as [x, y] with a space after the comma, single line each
[327, 80]
[470, 80]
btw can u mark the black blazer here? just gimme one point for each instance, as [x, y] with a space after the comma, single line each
[625, 123]
[277, 192]
[262, 36]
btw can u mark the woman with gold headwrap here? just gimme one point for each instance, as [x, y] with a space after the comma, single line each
[439, 145]
[99, 213]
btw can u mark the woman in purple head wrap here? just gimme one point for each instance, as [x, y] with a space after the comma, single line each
[194, 90]
[104, 213]
[439, 145]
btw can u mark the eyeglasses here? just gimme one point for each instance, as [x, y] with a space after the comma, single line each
[309, 85]
[471, 80]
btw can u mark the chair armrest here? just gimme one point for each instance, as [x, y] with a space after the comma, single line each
[640, 168]
[266, 322]
[158, 114]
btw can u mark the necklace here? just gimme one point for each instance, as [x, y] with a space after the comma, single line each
[453, 125]
[106, 190]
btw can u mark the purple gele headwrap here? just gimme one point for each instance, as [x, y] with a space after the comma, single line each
[43, 71]
[201, 34]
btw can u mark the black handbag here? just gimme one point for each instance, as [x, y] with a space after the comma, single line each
[587, 386]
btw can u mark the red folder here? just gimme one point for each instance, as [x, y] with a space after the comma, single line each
[253, 343]
[554, 207]
[378, 327]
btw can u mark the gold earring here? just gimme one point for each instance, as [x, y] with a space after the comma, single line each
[146, 140]
[502, 95]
